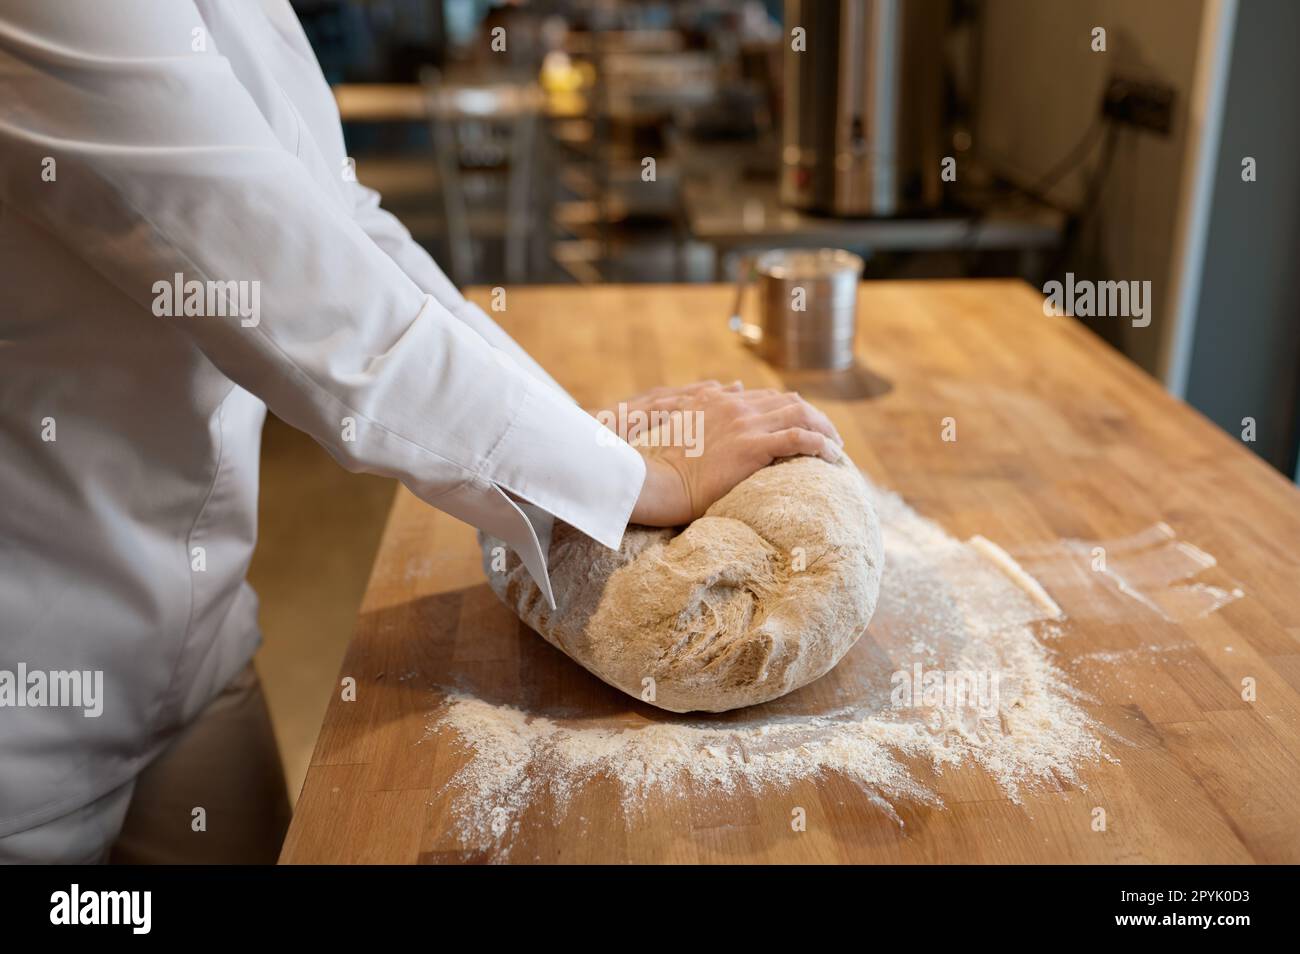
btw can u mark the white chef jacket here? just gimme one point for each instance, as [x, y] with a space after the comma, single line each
[198, 137]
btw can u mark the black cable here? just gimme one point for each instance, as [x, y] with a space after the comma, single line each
[1041, 189]
[1091, 197]
[1093, 191]
[1068, 163]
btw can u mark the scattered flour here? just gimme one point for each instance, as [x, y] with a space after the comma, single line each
[945, 608]
[1148, 653]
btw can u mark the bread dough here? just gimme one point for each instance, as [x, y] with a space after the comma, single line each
[763, 594]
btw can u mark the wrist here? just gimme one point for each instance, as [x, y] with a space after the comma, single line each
[665, 499]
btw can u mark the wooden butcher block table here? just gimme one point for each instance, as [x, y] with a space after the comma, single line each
[1059, 438]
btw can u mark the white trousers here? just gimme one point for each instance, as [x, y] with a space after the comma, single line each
[215, 795]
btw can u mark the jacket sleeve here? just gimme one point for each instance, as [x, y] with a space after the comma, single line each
[392, 236]
[166, 168]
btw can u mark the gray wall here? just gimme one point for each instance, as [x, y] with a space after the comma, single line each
[1246, 340]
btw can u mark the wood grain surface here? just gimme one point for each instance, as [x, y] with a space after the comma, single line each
[1059, 437]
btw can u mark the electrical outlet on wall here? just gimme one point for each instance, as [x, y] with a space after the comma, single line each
[1139, 103]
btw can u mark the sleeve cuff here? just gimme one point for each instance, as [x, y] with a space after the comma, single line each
[562, 460]
[531, 541]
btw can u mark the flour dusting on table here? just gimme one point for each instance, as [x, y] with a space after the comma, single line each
[951, 671]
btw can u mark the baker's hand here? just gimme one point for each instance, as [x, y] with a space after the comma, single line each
[714, 438]
[635, 412]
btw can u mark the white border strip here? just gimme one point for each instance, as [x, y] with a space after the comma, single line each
[1204, 134]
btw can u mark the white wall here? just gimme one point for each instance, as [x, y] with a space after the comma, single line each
[1040, 87]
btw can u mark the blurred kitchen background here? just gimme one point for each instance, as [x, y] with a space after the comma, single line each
[587, 141]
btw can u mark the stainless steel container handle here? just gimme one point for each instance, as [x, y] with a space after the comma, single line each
[749, 333]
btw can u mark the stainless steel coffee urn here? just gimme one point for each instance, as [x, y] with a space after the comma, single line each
[863, 115]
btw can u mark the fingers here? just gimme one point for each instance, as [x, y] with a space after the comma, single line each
[799, 414]
[664, 391]
[824, 423]
[672, 402]
[690, 396]
[765, 399]
[798, 440]
[686, 391]
[710, 384]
